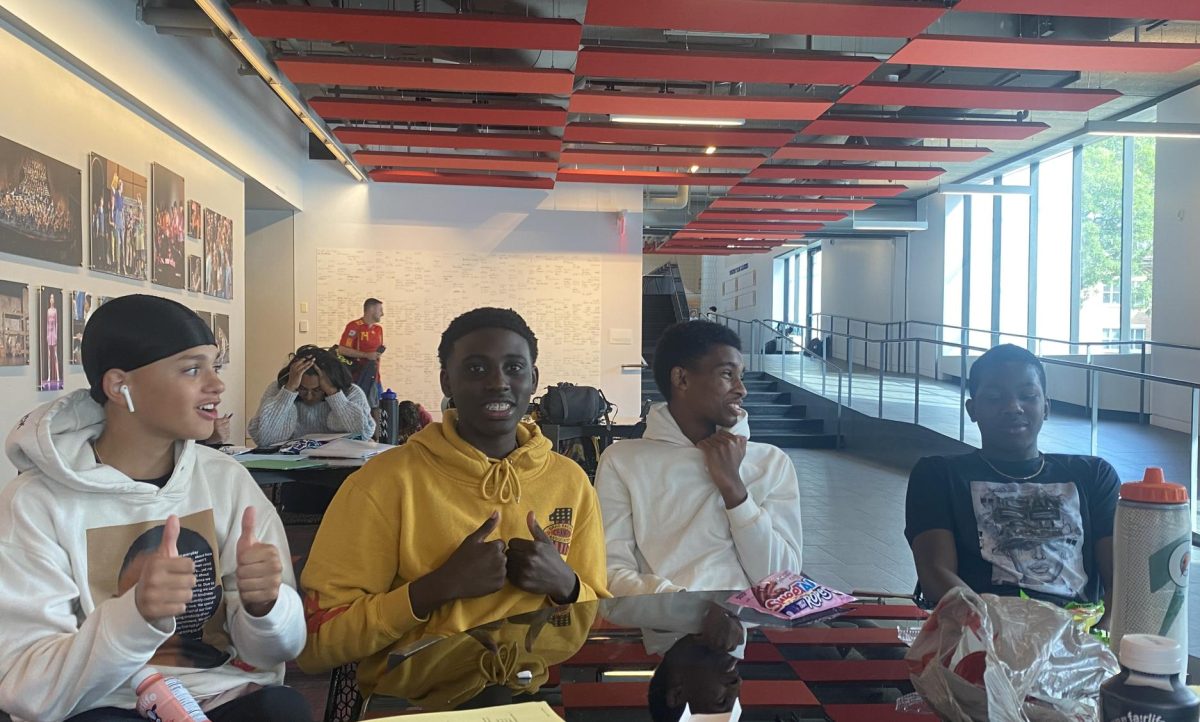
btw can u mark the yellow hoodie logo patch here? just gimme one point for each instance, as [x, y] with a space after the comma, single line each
[560, 530]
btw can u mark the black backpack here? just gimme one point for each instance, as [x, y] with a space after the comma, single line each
[566, 404]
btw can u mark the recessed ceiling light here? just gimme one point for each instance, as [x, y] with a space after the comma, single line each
[668, 120]
[695, 168]
[710, 150]
[1152, 130]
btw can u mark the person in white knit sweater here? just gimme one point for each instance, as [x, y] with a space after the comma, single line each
[313, 394]
[693, 504]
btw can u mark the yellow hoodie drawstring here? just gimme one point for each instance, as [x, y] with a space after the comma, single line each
[500, 483]
[498, 667]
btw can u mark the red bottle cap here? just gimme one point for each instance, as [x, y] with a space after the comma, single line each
[1154, 489]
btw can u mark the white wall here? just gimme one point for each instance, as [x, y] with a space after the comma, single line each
[859, 280]
[926, 279]
[57, 113]
[577, 219]
[270, 298]
[192, 83]
[1176, 258]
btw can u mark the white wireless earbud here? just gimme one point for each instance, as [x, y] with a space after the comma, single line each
[128, 398]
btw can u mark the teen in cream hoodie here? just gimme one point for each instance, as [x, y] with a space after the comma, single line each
[666, 524]
[72, 531]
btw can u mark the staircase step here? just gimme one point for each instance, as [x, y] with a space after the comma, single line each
[766, 397]
[759, 410]
[772, 425]
[799, 441]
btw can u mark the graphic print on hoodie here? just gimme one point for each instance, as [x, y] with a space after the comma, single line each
[200, 639]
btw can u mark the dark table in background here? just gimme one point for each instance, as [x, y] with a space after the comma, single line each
[305, 491]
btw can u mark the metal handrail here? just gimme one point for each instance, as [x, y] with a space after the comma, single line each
[1093, 394]
[993, 332]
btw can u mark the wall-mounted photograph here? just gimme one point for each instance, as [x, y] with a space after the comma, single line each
[40, 201]
[195, 221]
[195, 273]
[206, 316]
[14, 324]
[167, 226]
[221, 331]
[50, 363]
[218, 255]
[82, 306]
[117, 208]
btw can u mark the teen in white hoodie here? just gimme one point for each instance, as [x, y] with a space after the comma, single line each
[693, 504]
[164, 554]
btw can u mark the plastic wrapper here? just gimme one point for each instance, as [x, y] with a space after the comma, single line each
[789, 595]
[1007, 659]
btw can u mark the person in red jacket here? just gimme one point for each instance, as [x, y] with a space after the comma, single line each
[362, 343]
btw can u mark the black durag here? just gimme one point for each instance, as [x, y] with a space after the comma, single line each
[129, 332]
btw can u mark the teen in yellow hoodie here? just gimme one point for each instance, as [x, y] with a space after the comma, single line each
[474, 519]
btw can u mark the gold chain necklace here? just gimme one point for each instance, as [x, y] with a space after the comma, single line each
[1034, 475]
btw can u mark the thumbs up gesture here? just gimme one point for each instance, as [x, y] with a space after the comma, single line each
[536, 566]
[259, 569]
[165, 584]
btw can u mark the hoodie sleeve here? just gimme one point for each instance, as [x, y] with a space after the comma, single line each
[351, 607]
[767, 535]
[625, 577]
[276, 419]
[350, 413]
[51, 664]
[586, 555]
[278, 636]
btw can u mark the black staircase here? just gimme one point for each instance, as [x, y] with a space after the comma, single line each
[774, 419]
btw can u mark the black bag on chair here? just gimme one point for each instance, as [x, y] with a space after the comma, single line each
[570, 405]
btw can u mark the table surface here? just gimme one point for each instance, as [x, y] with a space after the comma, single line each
[595, 660]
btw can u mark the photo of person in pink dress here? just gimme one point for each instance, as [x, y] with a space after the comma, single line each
[52, 359]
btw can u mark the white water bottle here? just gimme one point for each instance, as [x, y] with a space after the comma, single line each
[1152, 542]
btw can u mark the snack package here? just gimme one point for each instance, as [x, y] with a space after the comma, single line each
[789, 595]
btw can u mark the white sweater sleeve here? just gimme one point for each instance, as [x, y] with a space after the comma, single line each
[50, 664]
[350, 412]
[625, 576]
[768, 536]
[276, 419]
[279, 635]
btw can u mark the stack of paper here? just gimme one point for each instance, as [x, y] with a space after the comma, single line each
[347, 449]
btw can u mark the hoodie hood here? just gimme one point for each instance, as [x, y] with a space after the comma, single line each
[661, 426]
[55, 440]
[496, 479]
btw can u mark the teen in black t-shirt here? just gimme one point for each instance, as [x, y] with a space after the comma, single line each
[1008, 518]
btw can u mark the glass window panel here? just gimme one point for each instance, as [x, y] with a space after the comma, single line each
[980, 310]
[1100, 256]
[1014, 259]
[953, 270]
[1054, 253]
[1143, 239]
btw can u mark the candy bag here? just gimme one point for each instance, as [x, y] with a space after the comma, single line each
[789, 595]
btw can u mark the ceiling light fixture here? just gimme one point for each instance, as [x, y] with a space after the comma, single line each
[710, 150]
[668, 120]
[862, 224]
[695, 168]
[251, 51]
[1151, 130]
[714, 34]
[982, 189]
